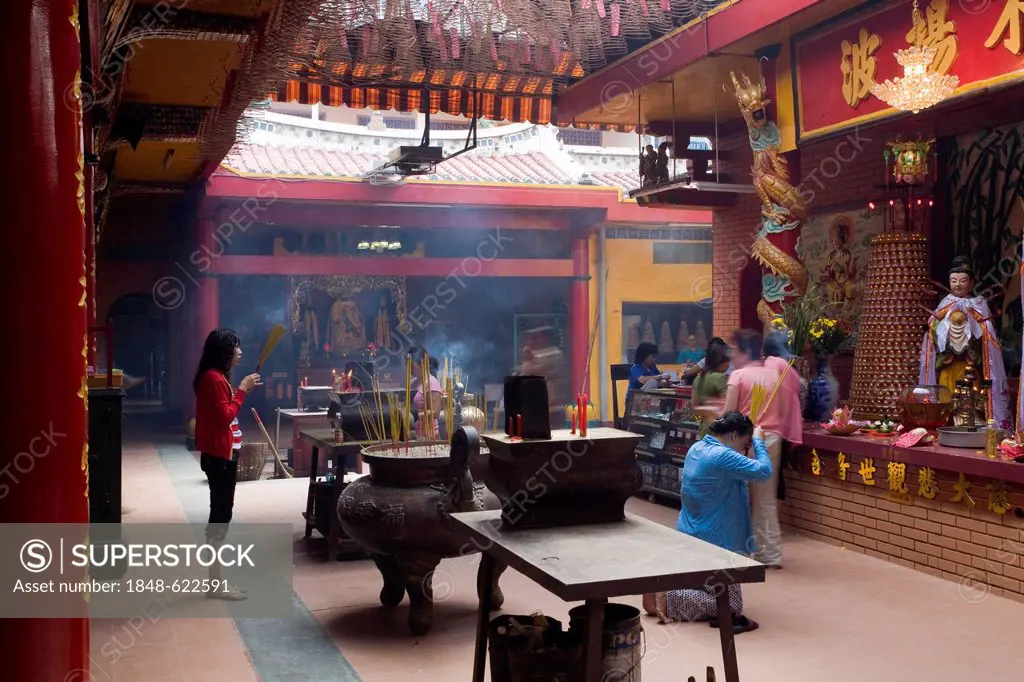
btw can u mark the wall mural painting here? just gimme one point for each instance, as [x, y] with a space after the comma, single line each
[835, 250]
[346, 317]
[985, 215]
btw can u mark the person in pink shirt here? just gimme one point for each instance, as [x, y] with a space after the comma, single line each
[775, 420]
[777, 357]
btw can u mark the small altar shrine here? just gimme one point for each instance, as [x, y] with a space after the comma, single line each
[343, 321]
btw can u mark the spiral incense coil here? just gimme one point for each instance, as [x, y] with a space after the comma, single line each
[892, 320]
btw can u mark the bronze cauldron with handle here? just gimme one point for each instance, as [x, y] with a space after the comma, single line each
[397, 514]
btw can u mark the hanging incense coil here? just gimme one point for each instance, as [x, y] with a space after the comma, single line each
[892, 320]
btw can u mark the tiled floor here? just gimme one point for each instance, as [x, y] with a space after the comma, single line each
[830, 614]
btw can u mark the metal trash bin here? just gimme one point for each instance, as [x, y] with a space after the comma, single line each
[622, 642]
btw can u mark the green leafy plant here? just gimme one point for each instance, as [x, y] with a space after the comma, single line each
[800, 313]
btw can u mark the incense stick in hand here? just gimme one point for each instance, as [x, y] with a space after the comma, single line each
[277, 333]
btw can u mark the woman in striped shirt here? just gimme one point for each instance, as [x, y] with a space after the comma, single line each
[218, 436]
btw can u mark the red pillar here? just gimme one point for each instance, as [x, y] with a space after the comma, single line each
[579, 311]
[90, 262]
[209, 289]
[46, 319]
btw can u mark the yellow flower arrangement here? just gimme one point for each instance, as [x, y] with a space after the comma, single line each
[827, 335]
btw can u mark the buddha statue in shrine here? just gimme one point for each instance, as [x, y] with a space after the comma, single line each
[347, 330]
[961, 336]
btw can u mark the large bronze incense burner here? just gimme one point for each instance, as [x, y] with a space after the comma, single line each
[565, 479]
[397, 514]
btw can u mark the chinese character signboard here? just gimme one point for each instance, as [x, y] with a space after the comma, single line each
[980, 42]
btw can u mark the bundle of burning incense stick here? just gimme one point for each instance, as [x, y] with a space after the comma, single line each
[377, 399]
[757, 396]
[758, 404]
[277, 333]
[369, 421]
[408, 400]
[449, 411]
[428, 398]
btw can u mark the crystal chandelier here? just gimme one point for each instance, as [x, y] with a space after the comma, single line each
[918, 89]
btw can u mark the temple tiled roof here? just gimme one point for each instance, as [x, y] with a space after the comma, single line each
[533, 167]
[618, 178]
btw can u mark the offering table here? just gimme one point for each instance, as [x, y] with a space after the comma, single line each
[575, 563]
[950, 512]
[340, 458]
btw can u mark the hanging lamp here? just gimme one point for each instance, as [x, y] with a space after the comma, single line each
[917, 89]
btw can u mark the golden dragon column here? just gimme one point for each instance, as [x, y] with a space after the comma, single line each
[777, 246]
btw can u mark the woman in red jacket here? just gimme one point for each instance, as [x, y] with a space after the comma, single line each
[218, 437]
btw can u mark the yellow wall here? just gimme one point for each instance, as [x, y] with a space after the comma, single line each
[633, 277]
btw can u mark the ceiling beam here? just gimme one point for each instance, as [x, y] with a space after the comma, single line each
[424, 194]
[158, 123]
[697, 128]
[733, 21]
[160, 21]
[341, 217]
[125, 188]
[391, 266]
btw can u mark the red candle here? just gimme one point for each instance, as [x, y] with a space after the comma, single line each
[579, 411]
[519, 425]
[572, 420]
[583, 416]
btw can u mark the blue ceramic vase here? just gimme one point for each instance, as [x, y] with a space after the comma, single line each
[822, 391]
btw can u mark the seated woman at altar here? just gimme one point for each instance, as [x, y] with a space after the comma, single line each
[716, 509]
[419, 399]
[644, 369]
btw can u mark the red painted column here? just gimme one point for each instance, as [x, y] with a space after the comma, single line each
[579, 311]
[208, 289]
[45, 319]
[90, 262]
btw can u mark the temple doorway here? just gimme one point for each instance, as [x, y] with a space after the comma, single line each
[141, 336]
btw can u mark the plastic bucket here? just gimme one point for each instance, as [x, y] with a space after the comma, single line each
[621, 642]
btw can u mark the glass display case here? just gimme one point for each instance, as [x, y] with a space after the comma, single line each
[669, 427]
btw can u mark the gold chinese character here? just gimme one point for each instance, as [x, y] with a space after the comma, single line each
[815, 463]
[962, 488]
[897, 474]
[937, 31]
[867, 471]
[1009, 21]
[859, 67]
[998, 497]
[926, 487]
[843, 465]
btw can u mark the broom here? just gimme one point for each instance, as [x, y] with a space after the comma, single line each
[281, 468]
[590, 352]
[276, 334]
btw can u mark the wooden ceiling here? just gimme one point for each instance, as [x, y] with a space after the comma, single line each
[699, 90]
[703, 89]
[166, 74]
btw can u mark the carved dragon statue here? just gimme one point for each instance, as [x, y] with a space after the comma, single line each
[777, 246]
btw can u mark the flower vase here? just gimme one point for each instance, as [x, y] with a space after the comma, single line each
[822, 391]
